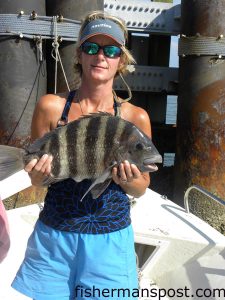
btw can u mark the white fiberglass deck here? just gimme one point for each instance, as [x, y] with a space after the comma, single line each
[175, 249]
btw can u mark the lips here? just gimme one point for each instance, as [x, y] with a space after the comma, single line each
[99, 67]
[154, 159]
[149, 163]
[151, 167]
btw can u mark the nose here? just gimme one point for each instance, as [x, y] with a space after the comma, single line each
[100, 52]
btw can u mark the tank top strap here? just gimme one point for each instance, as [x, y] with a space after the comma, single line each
[64, 117]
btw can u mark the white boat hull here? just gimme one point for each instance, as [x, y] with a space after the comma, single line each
[178, 252]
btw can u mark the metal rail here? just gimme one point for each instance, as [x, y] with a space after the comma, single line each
[150, 79]
[26, 26]
[203, 191]
[153, 17]
[201, 45]
[147, 16]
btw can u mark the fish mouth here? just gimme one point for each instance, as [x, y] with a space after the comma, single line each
[150, 167]
[149, 163]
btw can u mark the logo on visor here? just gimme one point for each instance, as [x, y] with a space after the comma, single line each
[101, 25]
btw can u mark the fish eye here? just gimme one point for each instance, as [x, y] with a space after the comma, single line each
[139, 146]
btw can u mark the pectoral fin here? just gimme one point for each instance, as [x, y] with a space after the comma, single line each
[100, 184]
[49, 180]
[99, 188]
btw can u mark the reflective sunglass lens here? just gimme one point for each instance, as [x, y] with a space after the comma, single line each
[112, 51]
[90, 48]
[93, 48]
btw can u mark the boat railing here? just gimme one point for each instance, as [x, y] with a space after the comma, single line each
[202, 191]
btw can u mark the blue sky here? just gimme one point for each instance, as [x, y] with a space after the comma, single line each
[174, 46]
[171, 112]
[176, 2]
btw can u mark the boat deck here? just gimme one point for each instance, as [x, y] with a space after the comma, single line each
[168, 241]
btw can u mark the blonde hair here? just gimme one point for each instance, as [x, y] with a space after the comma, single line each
[126, 56]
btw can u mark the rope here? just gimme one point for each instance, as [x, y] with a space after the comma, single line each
[128, 90]
[39, 48]
[57, 56]
[64, 74]
[55, 46]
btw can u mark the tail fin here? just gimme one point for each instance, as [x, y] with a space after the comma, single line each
[11, 161]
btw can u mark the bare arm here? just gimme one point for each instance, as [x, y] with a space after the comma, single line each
[42, 122]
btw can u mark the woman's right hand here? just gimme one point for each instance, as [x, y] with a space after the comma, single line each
[39, 169]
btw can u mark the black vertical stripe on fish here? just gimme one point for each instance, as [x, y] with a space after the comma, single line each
[128, 130]
[80, 148]
[113, 131]
[72, 158]
[90, 145]
[80, 151]
[54, 145]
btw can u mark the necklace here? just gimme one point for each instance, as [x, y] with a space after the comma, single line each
[115, 97]
[80, 106]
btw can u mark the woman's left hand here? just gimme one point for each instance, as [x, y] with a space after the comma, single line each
[125, 173]
[131, 180]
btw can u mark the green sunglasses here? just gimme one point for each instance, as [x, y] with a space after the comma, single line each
[110, 51]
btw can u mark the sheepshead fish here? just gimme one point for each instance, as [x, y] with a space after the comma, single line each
[87, 148]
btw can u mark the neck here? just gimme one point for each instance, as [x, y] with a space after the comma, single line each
[95, 97]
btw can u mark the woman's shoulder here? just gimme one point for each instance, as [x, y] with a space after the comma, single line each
[131, 111]
[46, 114]
[137, 116]
[51, 102]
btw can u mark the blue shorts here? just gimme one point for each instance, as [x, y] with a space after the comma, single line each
[63, 265]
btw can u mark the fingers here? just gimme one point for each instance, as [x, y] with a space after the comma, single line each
[43, 166]
[115, 175]
[28, 168]
[39, 169]
[125, 173]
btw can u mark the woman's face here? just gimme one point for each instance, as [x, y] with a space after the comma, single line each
[98, 67]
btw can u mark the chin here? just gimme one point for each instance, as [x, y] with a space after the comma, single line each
[99, 78]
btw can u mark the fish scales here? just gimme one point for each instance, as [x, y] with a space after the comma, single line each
[92, 141]
[86, 148]
[63, 159]
[80, 153]
[72, 157]
[110, 136]
[63, 154]
[75, 134]
[78, 149]
[115, 127]
[52, 147]
[127, 132]
[100, 148]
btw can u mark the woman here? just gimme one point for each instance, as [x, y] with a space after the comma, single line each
[81, 250]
